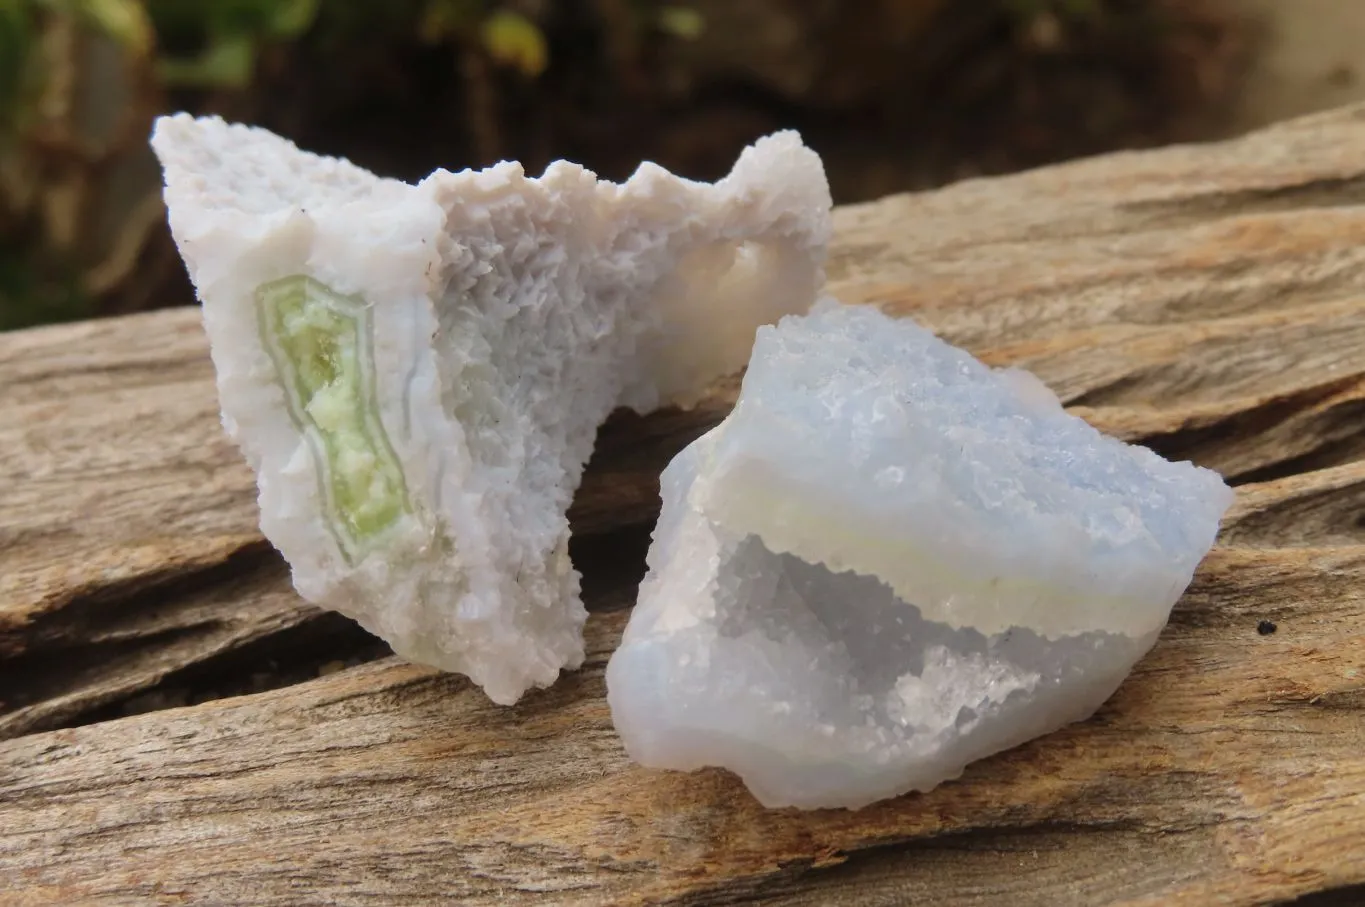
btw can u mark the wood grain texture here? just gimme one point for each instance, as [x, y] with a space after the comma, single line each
[1227, 769]
[1208, 301]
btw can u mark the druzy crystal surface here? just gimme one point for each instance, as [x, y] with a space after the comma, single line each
[892, 560]
[416, 373]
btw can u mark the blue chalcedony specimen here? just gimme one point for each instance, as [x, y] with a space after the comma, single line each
[891, 560]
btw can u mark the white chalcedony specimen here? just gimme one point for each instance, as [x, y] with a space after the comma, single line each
[890, 561]
[416, 373]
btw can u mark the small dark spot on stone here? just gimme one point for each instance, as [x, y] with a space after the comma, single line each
[1266, 627]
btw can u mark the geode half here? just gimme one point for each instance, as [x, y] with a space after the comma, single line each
[892, 560]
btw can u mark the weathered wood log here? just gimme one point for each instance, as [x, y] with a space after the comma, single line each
[1208, 301]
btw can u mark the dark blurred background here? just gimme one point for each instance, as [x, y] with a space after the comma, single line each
[895, 94]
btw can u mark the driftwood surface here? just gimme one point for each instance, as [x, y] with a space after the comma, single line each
[1207, 301]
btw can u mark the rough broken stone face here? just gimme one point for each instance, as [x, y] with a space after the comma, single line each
[416, 373]
[890, 561]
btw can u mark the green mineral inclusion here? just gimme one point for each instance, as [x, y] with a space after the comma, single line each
[321, 344]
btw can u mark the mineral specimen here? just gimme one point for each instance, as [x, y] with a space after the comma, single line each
[416, 373]
[890, 561]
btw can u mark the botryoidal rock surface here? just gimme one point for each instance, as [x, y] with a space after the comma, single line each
[890, 561]
[416, 373]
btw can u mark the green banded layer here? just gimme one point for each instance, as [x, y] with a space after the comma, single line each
[321, 344]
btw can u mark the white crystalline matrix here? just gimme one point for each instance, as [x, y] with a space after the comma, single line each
[890, 561]
[416, 373]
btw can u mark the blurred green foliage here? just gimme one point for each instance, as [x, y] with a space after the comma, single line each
[398, 84]
[215, 44]
[21, 74]
[30, 295]
[55, 179]
[16, 59]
